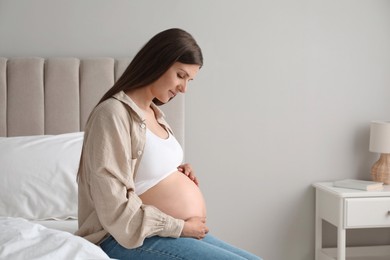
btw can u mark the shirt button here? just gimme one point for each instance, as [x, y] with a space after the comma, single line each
[143, 125]
[139, 152]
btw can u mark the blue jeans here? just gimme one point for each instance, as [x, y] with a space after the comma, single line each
[176, 248]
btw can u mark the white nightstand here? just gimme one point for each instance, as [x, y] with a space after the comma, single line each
[347, 209]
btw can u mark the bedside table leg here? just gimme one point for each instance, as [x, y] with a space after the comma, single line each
[341, 243]
[318, 237]
[318, 229]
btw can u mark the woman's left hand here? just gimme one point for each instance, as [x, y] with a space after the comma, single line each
[187, 170]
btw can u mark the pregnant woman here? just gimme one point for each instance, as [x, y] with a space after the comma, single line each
[137, 200]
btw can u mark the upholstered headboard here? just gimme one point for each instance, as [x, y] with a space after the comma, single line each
[55, 95]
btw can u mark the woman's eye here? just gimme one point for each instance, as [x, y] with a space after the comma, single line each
[180, 76]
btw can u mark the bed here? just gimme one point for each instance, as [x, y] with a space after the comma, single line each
[44, 105]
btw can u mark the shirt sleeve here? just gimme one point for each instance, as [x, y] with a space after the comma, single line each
[111, 165]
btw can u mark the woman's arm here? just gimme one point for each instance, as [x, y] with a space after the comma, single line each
[110, 162]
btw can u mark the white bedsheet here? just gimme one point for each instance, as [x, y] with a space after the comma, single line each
[21, 239]
[69, 225]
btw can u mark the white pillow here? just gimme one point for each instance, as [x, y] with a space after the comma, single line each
[38, 176]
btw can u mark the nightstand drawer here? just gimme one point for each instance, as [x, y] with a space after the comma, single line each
[367, 212]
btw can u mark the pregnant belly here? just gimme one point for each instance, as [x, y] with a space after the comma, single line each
[176, 195]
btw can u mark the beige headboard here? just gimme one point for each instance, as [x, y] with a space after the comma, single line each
[55, 95]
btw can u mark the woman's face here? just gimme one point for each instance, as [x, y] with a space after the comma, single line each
[173, 81]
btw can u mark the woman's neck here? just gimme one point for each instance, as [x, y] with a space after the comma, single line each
[141, 97]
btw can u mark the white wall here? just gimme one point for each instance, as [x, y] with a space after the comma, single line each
[284, 99]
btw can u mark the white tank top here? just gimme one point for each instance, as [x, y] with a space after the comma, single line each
[160, 158]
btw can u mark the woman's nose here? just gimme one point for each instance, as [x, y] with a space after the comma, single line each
[183, 87]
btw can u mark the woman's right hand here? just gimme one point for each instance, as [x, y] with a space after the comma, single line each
[195, 227]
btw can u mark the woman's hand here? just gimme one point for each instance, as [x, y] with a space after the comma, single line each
[195, 227]
[187, 170]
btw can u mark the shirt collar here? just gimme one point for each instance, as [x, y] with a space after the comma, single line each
[121, 96]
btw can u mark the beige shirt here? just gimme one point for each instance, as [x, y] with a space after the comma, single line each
[113, 145]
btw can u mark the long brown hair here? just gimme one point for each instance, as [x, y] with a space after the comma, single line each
[155, 58]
